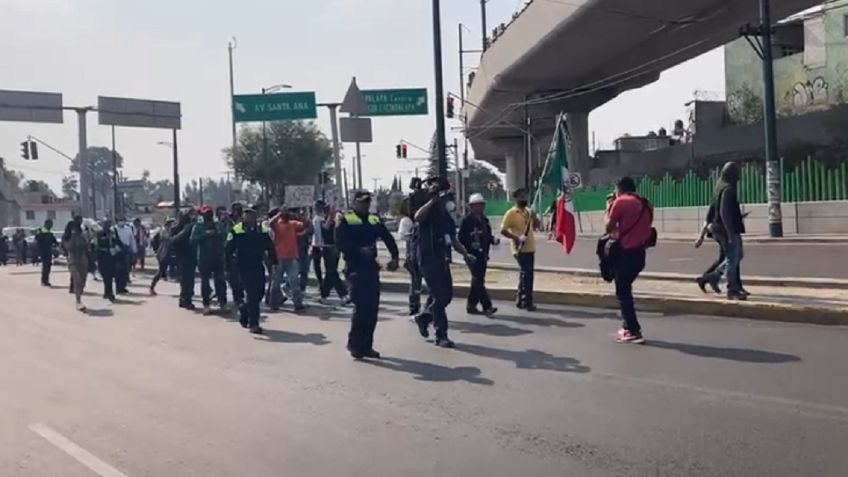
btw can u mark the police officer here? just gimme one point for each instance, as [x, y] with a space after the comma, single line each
[107, 246]
[356, 238]
[45, 241]
[249, 243]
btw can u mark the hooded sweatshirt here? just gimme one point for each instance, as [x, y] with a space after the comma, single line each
[730, 212]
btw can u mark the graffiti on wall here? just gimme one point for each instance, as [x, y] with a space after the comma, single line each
[810, 93]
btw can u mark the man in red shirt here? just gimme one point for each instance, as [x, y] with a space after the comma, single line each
[286, 231]
[629, 222]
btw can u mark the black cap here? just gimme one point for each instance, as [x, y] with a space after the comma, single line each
[361, 195]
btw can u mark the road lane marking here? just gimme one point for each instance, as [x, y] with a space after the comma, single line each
[78, 453]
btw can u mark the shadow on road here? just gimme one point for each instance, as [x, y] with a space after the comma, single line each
[529, 359]
[733, 354]
[538, 321]
[276, 336]
[121, 301]
[433, 372]
[99, 312]
[488, 329]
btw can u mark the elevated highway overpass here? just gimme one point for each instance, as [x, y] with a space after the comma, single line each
[575, 55]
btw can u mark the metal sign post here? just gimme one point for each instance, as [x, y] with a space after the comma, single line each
[355, 104]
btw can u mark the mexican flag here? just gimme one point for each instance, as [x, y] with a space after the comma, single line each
[557, 175]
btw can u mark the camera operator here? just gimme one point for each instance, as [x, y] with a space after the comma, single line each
[436, 232]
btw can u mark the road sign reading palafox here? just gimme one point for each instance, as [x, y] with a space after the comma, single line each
[300, 196]
[31, 106]
[396, 102]
[138, 113]
[274, 107]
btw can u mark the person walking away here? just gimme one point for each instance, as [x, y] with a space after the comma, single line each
[518, 225]
[76, 245]
[45, 241]
[407, 232]
[356, 237]
[227, 222]
[286, 232]
[19, 242]
[330, 254]
[250, 244]
[712, 275]
[107, 247]
[209, 243]
[161, 244]
[731, 221]
[142, 241]
[187, 259]
[4, 250]
[123, 261]
[475, 234]
[436, 233]
[318, 219]
[630, 219]
[304, 240]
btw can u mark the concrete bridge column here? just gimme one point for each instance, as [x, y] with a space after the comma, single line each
[578, 147]
[515, 170]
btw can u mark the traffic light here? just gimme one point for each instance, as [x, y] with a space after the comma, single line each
[450, 111]
[398, 151]
[25, 150]
[33, 150]
[403, 150]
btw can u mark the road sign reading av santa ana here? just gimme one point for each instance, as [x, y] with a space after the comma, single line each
[396, 102]
[274, 107]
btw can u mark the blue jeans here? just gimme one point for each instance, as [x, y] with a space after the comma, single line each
[735, 254]
[290, 271]
[628, 266]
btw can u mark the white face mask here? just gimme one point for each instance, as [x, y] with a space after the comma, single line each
[450, 206]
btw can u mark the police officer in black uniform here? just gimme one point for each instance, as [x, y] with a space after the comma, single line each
[356, 238]
[45, 240]
[249, 243]
[107, 246]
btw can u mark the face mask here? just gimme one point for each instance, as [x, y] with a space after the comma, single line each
[521, 203]
[450, 206]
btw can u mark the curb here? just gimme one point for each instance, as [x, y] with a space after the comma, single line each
[797, 282]
[667, 305]
[812, 240]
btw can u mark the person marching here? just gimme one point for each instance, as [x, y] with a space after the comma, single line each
[475, 234]
[45, 241]
[107, 246]
[519, 225]
[162, 246]
[356, 238]
[249, 243]
[76, 245]
[207, 239]
[330, 254]
[187, 259]
[286, 231]
[226, 224]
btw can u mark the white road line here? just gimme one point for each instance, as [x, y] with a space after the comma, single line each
[81, 455]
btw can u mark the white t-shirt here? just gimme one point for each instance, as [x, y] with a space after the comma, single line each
[317, 231]
[405, 227]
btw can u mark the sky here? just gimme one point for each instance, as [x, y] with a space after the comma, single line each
[176, 50]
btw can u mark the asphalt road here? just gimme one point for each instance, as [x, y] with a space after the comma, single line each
[145, 389]
[768, 260]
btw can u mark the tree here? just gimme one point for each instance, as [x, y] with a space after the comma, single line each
[215, 193]
[297, 151]
[33, 185]
[99, 161]
[70, 188]
[479, 179]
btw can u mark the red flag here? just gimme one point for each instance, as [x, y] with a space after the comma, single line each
[566, 228]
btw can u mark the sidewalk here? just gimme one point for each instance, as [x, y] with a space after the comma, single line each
[791, 304]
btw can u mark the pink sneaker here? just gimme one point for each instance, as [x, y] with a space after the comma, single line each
[625, 336]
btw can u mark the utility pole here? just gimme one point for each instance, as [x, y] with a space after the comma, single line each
[337, 159]
[230, 47]
[116, 199]
[176, 174]
[770, 119]
[86, 182]
[485, 26]
[440, 94]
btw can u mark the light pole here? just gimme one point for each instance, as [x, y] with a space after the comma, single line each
[441, 140]
[337, 160]
[770, 119]
[173, 146]
[269, 89]
[231, 45]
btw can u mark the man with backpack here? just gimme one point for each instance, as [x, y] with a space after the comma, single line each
[629, 225]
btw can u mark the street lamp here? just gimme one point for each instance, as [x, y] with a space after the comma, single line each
[269, 89]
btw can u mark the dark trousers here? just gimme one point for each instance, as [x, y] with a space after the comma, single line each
[478, 292]
[315, 256]
[164, 265]
[234, 279]
[106, 267]
[414, 285]
[303, 262]
[332, 280]
[628, 266]
[188, 266]
[365, 292]
[122, 271]
[526, 264]
[214, 273]
[254, 288]
[46, 265]
[440, 284]
[722, 255]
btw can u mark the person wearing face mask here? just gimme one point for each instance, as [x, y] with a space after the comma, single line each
[208, 242]
[181, 244]
[519, 226]
[475, 234]
[250, 243]
[436, 233]
[107, 246]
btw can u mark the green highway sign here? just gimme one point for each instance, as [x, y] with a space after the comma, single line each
[396, 102]
[274, 107]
